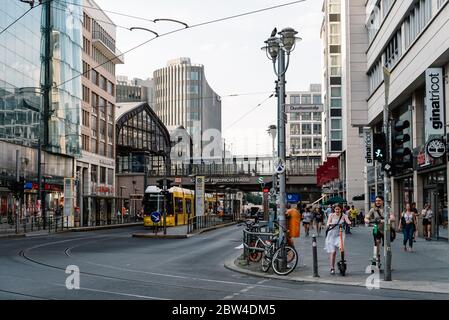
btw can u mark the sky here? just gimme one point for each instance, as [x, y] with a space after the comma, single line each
[230, 52]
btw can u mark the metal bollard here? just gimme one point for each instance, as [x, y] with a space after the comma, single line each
[315, 257]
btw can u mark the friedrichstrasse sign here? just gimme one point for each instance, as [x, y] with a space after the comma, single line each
[211, 180]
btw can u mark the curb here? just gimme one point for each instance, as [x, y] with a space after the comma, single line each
[399, 285]
[180, 236]
[12, 236]
[117, 226]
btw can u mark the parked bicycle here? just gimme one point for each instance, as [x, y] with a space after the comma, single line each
[280, 256]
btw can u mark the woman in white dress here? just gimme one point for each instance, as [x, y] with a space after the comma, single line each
[332, 245]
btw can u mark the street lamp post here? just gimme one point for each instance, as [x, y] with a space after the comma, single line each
[277, 48]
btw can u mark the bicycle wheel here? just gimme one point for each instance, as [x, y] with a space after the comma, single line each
[266, 263]
[291, 261]
[254, 255]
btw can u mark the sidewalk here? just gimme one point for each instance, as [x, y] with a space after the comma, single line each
[179, 232]
[424, 270]
[11, 232]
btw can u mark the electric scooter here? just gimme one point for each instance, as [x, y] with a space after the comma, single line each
[342, 263]
[375, 261]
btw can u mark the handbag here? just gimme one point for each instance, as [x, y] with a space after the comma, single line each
[333, 226]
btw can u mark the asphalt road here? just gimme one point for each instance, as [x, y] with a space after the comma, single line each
[113, 265]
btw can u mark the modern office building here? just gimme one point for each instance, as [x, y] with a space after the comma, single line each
[411, 39]
[304, 134]
[182, 97]
[96, 167]
[342, 171]
[135, 90]
[24, 123]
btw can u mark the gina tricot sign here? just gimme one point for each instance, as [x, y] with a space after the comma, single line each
[368, 137]
[434, 124]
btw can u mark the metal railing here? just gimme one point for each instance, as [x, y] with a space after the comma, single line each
[207, 221]
[250, 237]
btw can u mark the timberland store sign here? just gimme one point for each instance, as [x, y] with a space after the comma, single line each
[434, 122]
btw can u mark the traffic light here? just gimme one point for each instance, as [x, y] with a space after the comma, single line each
[402, 157]
[380, 147]
[160, 183]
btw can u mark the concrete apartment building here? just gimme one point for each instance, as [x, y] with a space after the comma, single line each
[304, 134]
[343, 96]
[411, 39]
[96, 168]
[183, 98]
[134, 90]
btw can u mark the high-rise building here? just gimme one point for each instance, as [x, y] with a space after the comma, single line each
[182, 97]
[304, 132]
[135, 90]
[96, 167]
[343, 94]
[24, 122]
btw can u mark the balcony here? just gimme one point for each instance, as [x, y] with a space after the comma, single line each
[105, 45]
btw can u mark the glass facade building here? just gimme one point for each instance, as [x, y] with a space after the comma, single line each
[22, 57]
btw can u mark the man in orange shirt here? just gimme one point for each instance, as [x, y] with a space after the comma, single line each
[294, 230]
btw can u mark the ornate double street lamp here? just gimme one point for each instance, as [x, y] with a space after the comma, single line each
[277, 47]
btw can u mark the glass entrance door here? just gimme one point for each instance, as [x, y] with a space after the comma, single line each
[437, 199]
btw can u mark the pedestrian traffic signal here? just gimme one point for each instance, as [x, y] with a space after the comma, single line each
[380, 147]
[160, 183]
[402, 157]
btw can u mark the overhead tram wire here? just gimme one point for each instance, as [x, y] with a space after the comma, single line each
[250, 111]
[182, 29]
[17, 20]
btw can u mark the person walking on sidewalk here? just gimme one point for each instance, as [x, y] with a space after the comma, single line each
[407, 224]
[318, 219]
[427, 215]
[353, 213]
[332, 243]
[307, 217]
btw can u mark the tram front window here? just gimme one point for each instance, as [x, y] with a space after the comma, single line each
[152, 203]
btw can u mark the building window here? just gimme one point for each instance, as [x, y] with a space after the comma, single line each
[317, 143]
[295, 116]
[417, 19]
[103, 83]
[306, 99]
[110, 88]
[393, 51]
[192, 90]
[317, 99]
[110, 177]
[85, 142]
[317, 128]
[307, 143]
[110, 131]
[95, 77]
[93, 146]
[374, 22]
[94, 173]
[86, 118]
[335, 60]
[336, 135]
[306, 116]
[94, 126]
[86, 94]
[102, 130]
[111, 151]
[317, 116]
[86, 69]
[334, 6]
[306, 128]
[440, 3]
[295, 144]
[86, 46]
[110, 111]
[336, 71]
[296, 99]
[335, 124]
[336, 103]
[103, 175]
[295, 129]
[375, 76]
[336, 92]
[94, 103]
[102, 107]
[193, 75]
[87, 22]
